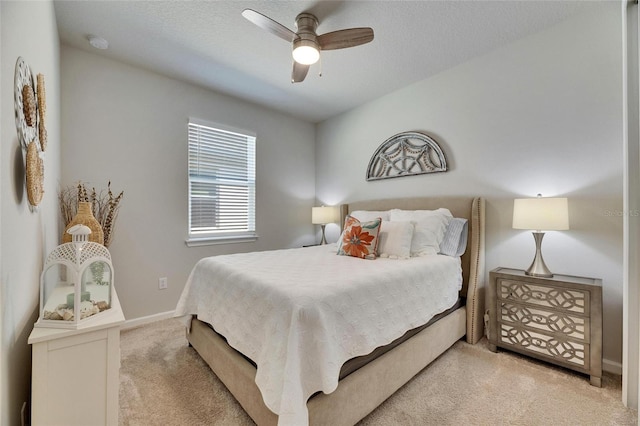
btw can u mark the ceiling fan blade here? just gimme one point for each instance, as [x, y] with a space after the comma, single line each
[345, 38]
[299, 72]
[269, 24]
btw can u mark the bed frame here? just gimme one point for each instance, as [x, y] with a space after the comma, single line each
[366, 388]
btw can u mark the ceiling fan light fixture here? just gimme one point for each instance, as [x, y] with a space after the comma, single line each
[305, 52]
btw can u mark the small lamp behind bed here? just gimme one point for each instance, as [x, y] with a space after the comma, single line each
[323, 215]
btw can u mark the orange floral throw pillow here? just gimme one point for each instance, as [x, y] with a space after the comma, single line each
[359, 239]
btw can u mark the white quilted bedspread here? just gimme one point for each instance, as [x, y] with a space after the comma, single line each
[299, 314]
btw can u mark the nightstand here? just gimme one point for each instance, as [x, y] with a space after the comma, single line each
[557, 319]
[76, 372]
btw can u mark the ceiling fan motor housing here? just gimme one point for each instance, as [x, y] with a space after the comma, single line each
[306, 24]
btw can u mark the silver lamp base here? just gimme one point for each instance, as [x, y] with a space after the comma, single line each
[324, 240]
[538, 267]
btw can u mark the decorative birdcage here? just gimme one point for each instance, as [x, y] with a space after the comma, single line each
[76, 283]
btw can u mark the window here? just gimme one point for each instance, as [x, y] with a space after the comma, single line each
[222, 184]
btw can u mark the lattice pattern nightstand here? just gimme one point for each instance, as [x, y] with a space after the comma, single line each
[556, 319]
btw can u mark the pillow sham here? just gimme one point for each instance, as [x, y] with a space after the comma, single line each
[396, 215]
[395, 240]
[359, 239]
[429, 228]
[455, 237]
[368, 215]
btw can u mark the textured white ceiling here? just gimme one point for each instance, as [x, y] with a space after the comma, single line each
[210, 44]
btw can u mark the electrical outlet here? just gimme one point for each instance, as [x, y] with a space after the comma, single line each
[162, 283]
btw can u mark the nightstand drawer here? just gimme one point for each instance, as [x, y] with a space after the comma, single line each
[569, 300]
[534, 318]
[545, 346]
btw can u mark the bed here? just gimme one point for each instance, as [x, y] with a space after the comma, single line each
[299, 363]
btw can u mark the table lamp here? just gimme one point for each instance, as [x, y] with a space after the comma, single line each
[538, 214]
[323, 215]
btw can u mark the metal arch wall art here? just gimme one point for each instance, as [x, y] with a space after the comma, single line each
[406, 154]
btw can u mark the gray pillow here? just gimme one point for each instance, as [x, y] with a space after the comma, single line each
[455, 237]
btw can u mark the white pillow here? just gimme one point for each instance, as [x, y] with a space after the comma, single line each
[395, 240]
[368, 215]
[415, 215]
[429, 228]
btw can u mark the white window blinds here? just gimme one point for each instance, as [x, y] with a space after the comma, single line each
[222, 182]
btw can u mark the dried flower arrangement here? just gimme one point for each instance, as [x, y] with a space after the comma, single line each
[104, 205]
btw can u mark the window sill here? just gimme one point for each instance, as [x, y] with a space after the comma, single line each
[209, 241]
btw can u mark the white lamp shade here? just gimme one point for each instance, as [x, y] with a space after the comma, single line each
[541, 214]
[323, 215]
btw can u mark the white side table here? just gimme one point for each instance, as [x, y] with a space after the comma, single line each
[76, 373]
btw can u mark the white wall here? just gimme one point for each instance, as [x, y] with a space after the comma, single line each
[28, 30]
[129, 126]
[540, 115]
[631, 166]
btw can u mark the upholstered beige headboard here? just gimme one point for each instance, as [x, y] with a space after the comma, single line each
[473, 272]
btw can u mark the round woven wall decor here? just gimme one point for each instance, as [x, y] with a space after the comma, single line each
[42, 134]
[26, 127]
[29, 105]
[35, 174]
[30, 108]
[42, 110]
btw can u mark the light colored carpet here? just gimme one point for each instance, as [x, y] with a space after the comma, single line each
[165, 382]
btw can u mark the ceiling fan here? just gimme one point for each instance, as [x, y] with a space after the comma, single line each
[306, 43]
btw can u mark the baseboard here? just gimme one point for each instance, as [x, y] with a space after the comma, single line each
[136, 322]
[612, 367]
